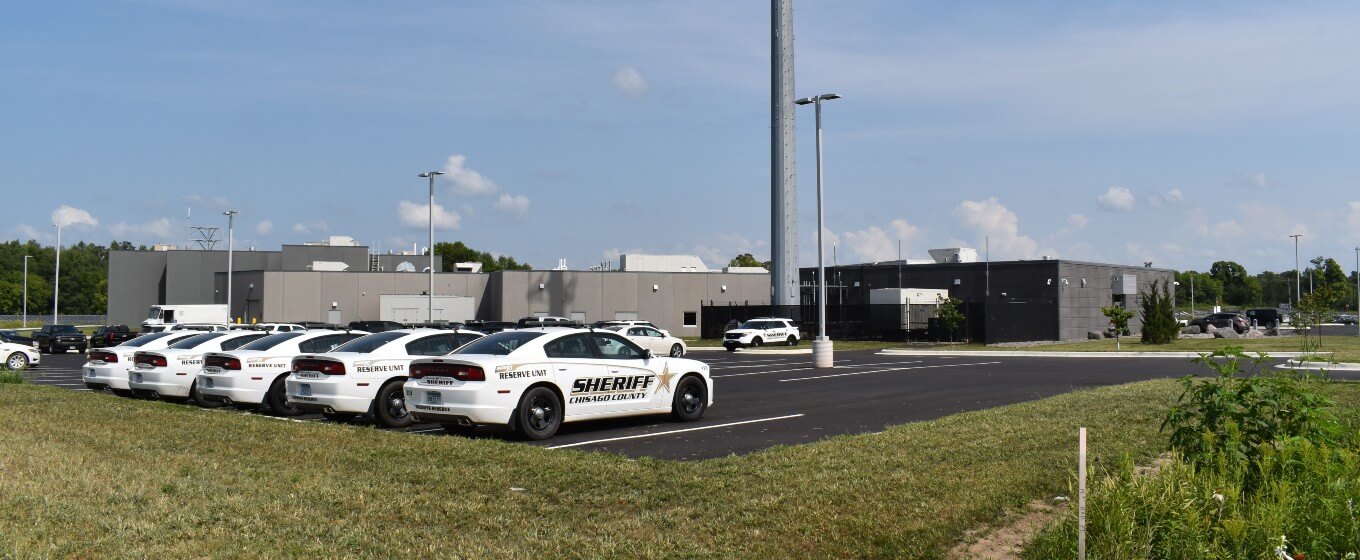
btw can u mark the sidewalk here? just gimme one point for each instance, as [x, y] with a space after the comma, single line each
[1038, 354]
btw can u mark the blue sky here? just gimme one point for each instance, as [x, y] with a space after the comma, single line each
[1180, 133]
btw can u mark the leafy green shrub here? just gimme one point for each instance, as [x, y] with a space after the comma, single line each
[10, 377]
[1159, 319]
[1233, 417]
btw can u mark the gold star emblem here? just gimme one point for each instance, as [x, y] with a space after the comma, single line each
[663, 381]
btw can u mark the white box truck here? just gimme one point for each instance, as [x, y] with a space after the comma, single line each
[162, 317]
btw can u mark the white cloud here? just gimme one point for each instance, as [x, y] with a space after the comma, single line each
[1173, 197]
[67, 216]
[628, 81]
[318, 226]
[264, 227]
[1077, 221]
[159, 229]
[1257, 180]
[989, 218]
[1117, 199]
[514, 204]
[29, 232]
[872, 244]
[464, 179]
[418, 215]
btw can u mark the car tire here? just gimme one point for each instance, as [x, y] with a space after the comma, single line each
[277, 399]
[677, 351]
[17, 361]
[339, 416]
[389, 407]
[125, 393]
[539, 414]
[690, 401]
[731, 348]
[793, 340]
[457, 429]
[757, 342]
[202, 400]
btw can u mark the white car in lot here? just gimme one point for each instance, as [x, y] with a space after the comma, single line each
[19, 356]
[534, 380]
[107, 368]
[762, 331]
[660, 342]
[253, 375]
[364, 375]
[172, 372]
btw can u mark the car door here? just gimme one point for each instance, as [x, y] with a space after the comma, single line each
[635, 381]
[641, 337]
[656, 341]
[578, 371]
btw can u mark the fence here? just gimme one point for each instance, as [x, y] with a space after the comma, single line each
[35, 321]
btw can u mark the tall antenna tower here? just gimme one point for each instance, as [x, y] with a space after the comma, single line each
[783, 179]
[204, 237]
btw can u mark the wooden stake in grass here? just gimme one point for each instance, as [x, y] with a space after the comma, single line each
[1081, 493]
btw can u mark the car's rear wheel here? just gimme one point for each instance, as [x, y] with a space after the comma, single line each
[389, 408]
[677, 351]
[539, 414]
[792, 341]
[17, 361]
[691, 399]
[757, 342]
[277, 399]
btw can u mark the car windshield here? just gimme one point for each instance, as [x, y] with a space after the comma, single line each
[270, 341]
[366, 344]
[753, 325]
[499, 344]
[142, 340]
[64, 329]
[194, 341]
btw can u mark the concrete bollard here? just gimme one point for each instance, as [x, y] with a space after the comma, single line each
[822, 353]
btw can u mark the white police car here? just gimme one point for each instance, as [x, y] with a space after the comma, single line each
[534, 380]
[364, 375]
[253, 375]
[172, 373]
[107, 368]
[762, 331]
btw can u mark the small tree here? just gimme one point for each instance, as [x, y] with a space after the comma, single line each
[1159, 320]
[950, 315]
[1311, 311]
[1119, 318]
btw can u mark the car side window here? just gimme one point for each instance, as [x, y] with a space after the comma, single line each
[239, 342]
[635, 331]
[322, 344]
[651, 332]
[574, 346]
[436, 345]
[463, 338]
[614, 347]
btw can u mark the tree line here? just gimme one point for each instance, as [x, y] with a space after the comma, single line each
[1228, 283]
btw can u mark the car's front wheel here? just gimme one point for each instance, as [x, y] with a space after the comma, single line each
[539, 414]
[389, 408]
[17, 361]
[691, 399]
[677, 351]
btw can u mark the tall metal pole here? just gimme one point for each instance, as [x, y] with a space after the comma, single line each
[231, 222]
[783, 168]
[987, 269]
[429, 312]
[1357, 290]
[56, 278]
[1192, 294]
[26, 257]
[1298, 275]
[821, 347]
[899, 264]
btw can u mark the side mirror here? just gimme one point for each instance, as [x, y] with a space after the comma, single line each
[647, 354]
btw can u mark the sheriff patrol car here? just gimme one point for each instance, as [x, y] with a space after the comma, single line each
[253, 375]
[365, 375]
[534, 380]
[107, 368]
[762, 331]
[171, 373]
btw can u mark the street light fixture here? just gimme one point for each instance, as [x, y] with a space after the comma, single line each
[231, 222]
[822, 356]
[429, 313]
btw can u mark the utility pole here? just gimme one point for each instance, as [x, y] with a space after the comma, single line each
[1298, 275]
[429, 313]
[56, 278]
[231, 221]
[26, 257]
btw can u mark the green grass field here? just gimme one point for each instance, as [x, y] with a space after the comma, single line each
[89, 475]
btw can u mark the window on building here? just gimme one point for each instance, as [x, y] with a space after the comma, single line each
[691, 319]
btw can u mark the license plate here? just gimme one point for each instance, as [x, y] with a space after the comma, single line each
[305, 390]
[208, 382]
[214, 370]
[136, 378]
[434, 397]
[96, 362]
[309, 375]
[140, 365]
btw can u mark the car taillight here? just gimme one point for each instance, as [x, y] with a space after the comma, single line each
[324, 366]
[106, 357]
[222, 362]
[151, 359]
[457, 371]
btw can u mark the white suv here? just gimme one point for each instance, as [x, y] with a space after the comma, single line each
[759, 332]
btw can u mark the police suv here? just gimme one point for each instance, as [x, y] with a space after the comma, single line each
[364, 375]
[172, 373]
[107, 368]
[534, 380]
[761, 331]
[253, 375]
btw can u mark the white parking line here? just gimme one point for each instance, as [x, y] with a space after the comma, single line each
[810, 367]
[676, 431]
[757, 365]
[885, 371]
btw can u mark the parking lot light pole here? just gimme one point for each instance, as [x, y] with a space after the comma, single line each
[26, 257]
[822, 356]
[56, 278]
[429, 313]
[1357, 289]
[231, 221]
[1298, 276]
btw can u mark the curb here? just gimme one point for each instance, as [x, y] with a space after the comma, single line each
[1316, 366]
[1032, 354]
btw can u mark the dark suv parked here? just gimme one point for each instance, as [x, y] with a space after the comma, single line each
[376, 326]
[111, 335]
[1264, 317]
[59, 338]
[1221, 321]
[13, 337]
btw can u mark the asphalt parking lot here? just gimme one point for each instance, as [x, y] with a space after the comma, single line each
[763, 400]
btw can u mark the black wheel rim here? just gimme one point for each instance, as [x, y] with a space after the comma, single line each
[281, 403]
[540, 414]
[692, 399]
[396, 405]
[675, 351]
